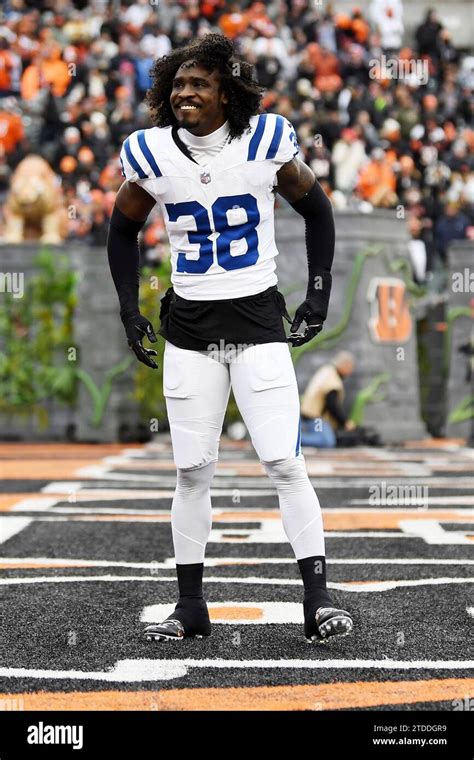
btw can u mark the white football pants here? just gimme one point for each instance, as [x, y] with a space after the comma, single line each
[197, 386]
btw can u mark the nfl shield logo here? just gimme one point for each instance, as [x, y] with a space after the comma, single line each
[205, 178]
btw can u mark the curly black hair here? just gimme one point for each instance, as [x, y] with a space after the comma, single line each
[237, 79]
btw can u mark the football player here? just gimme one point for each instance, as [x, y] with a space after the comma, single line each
[213, 162]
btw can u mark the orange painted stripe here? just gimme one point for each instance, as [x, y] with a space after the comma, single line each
[382, 520]
[433, 443]
[8, 500]
[53, 469]
[332, 696]
[22, 451]
[29, 565]
[236, 613]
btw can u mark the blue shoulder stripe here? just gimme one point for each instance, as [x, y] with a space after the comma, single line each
[131, 160]
[276, 139]
[257, 137]
[147, 152]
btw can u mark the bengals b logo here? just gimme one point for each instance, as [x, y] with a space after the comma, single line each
[390, 320]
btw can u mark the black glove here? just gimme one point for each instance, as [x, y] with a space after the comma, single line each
[136, 327]
[314, 308]
[314, 324]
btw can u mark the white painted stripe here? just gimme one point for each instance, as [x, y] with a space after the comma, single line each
[216, 561]
[146, 670]
[96, 471]
[262, 483]
[87, 493]
[169, 562]
[432, 532]
[363, 588]
[271, 612]
[34, 504]
[470, 611]
[10, 526]
[125, 671]
[62, 486]
[140, 453]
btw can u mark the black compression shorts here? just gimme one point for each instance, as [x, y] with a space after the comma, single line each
[196, 325]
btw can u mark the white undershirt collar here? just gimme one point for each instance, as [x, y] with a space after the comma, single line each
[205, 141]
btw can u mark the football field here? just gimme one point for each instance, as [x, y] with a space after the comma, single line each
[87, 562]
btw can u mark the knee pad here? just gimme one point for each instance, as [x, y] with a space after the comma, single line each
[195, 481]
[287, 472]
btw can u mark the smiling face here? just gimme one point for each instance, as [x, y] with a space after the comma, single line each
[197, 100]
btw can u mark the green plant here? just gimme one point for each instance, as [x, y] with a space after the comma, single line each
[100, 396]
[148, 383]
[367, 395]
[36, 336]
[463, 412]
[454, 313]
[328, 338]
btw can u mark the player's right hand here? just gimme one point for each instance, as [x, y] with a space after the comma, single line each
[137, 327]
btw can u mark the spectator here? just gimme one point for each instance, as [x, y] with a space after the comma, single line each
[452, 225]
[11, 128]
[421, 249]
[234, 22]
[348, 157]
[377, 181]
[322, 410]
[428, 35]
[388, 19]
[7, 65]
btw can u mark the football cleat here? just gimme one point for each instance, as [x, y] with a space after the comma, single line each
[194, 624]
[168, 630]
[328, 622]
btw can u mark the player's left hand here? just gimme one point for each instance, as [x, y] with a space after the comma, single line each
[314, 325]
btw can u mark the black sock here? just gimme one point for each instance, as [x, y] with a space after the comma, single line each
[191, 609]
[190, 580]
[313, 573]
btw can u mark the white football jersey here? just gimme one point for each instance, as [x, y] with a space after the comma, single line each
[219, 217]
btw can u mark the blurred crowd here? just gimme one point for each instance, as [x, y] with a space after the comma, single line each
[384, 119]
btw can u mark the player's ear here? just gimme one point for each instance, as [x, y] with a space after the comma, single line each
[223, 95]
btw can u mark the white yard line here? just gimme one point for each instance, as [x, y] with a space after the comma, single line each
[146, 670]
[359, 587]
[169, 562]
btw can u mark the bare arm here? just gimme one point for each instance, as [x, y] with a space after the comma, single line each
[133, 201]
[295, 179]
